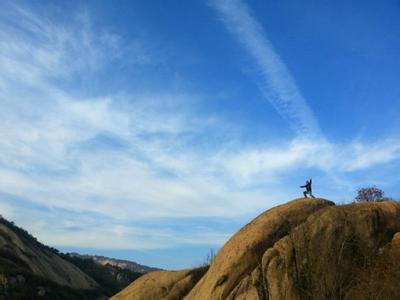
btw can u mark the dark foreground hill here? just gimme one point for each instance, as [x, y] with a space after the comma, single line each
[31, 270]
[305, 249]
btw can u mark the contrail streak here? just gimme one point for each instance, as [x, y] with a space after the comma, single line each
[276, 84]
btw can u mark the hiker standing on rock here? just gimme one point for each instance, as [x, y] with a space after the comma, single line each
[308, 188]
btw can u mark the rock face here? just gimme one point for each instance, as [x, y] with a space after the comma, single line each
[329, 255]
[305, 249]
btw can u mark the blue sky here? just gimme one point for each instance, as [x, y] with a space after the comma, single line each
[153, 130]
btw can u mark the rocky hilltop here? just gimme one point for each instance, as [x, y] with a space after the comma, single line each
[305, 249]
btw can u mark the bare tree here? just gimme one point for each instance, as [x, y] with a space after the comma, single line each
[369, 194]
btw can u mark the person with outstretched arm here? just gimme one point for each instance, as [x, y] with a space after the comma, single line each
[308, 188]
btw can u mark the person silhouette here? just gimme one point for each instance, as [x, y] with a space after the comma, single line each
[308, 188]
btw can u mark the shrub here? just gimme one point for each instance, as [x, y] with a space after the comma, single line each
[369, 194]
[208, 259]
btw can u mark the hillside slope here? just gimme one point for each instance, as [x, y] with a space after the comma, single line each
[305, 249]
[22, 253]
[29, 269]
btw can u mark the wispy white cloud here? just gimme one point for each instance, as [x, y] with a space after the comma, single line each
[364, 155]
[126, 156]
[277, 84]
[47, 153]
[108, 236]
[273, 162]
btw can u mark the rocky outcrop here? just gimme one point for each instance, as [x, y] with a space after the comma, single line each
[330, 254]
[305, 249]
[168, 285]
[237, 264]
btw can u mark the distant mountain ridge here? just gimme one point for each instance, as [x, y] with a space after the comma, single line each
[110, 278]
[123, 264]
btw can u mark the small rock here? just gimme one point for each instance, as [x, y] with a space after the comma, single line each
[20, 279]
[41, 291]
